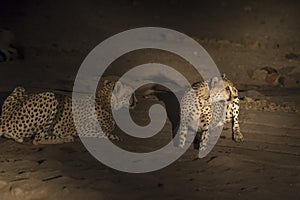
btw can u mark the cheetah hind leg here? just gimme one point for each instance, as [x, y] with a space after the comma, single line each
[43, 138]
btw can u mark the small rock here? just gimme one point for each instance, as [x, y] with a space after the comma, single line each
[272, 79]
[270, 70]
[268, 75]
[259, 74]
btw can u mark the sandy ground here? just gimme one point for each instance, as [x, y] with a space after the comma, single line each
[242, 37]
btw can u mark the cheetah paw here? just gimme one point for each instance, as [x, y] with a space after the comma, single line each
[114, 137]
[238, 137]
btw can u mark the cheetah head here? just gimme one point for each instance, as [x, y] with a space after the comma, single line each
[122, 96]
[222, 89]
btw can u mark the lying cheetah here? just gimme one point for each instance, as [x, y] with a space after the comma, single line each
[196, 106]
[47, 117]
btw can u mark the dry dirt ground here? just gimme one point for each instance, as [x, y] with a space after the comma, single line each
[255, 43]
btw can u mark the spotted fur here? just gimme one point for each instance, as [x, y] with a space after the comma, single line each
[47, 118]
[197, 104]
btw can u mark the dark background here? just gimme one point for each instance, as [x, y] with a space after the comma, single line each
[257, 45]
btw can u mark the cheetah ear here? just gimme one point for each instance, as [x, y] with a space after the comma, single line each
[118, 86]
[224, 75]
[214, 81]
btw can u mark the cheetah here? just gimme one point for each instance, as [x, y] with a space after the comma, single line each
[47, 118]
[196, 106]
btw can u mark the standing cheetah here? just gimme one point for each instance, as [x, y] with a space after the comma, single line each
[196, 106]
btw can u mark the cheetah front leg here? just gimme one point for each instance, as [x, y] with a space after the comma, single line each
[108, 125]
[236, 133]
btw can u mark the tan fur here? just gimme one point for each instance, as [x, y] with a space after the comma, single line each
[47, 117]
